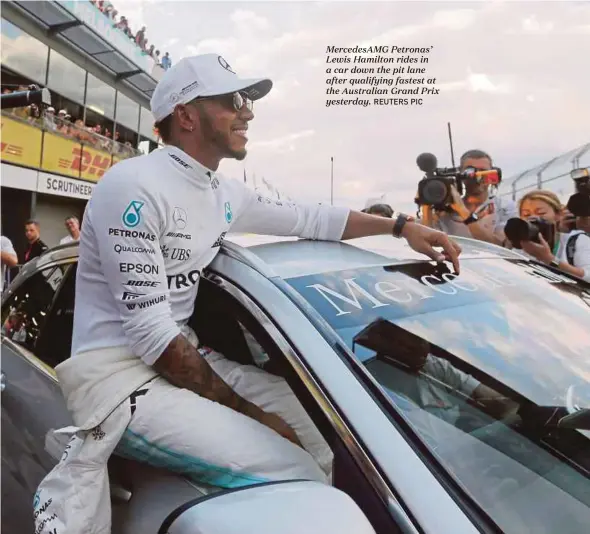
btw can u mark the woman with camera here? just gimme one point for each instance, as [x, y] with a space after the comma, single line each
[546, 208]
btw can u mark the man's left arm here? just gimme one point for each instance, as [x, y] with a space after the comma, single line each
[262, 215]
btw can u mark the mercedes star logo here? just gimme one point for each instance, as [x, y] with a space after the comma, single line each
[225, 64]
[179, 218]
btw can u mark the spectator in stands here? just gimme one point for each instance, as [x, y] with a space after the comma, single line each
[49, 119]
[140, 37]
[166, 61]
[72, 224]
[33, 234]
[9, 258]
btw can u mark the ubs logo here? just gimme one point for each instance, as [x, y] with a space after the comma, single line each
[225, 64]
[179, 217]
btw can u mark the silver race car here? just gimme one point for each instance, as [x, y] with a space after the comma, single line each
[453, 404]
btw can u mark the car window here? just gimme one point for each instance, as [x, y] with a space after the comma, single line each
[55, 342]
[482, 368]
[25, 312]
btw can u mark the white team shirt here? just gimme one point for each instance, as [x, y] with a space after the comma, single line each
[581, 254]
[6, 246]
[152, 225]
[66, 239]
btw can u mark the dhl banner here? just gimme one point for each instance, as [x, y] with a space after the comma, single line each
[21, 143]
[67, 157]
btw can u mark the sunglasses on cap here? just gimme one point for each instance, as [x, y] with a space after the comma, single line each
[235, 100]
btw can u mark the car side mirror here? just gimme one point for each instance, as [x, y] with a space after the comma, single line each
[289, 507]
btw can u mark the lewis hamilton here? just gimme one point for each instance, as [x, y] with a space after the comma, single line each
[138, 382]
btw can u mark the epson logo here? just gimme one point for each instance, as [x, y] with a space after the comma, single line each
[136, 234]
[139, 268]
[178, 160]
[179, 235]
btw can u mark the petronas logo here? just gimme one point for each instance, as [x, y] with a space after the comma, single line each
[131, 215]
[228, 213]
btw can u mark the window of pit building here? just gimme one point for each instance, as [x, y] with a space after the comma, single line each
[146, 124]
[127, 112]
[100, 97]
[65, 77]
[126, 135]
[23, 53]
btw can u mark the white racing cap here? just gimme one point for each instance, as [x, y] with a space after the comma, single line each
[200, 76]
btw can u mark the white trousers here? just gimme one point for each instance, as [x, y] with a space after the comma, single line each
[178, 430]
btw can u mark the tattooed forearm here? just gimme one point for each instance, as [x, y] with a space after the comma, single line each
[184, 367]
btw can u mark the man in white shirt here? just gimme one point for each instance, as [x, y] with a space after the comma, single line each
[9, 259]
[72, 224]
[137, 372]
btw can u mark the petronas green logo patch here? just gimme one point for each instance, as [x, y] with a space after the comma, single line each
[132, 215]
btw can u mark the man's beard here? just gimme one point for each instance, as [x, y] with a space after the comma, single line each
[219, 139]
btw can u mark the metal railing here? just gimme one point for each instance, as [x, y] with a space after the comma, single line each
[553, 175]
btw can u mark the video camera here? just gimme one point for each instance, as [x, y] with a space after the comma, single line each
[435, 188]
[518, 230]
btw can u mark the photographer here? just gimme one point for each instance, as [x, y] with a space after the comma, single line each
[569, 252]
[478, 214]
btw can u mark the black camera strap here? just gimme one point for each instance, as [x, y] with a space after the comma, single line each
[570, 247]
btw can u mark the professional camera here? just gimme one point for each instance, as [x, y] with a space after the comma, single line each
[435, 188]
[518, 230]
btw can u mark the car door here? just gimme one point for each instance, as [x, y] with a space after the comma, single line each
[32, 403]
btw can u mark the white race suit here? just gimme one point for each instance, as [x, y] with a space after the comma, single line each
[152, 225]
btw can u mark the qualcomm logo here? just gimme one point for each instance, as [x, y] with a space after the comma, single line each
[131, 215]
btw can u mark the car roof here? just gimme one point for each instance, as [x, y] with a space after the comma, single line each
[289, 257]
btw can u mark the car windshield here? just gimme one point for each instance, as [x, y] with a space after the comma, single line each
[489, 369]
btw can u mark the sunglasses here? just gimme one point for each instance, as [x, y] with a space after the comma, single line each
[235, 100]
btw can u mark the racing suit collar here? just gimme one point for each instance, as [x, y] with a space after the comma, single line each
[189, 166]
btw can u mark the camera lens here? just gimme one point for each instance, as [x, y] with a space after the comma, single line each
[518, 230]
[434, 192]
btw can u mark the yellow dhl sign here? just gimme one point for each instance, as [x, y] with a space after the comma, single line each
[21, 143]
[31, 147]
[67, 157]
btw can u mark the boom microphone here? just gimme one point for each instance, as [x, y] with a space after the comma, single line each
[21, 99]
[426, 162]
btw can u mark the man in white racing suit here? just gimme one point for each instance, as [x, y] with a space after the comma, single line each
[138, 383]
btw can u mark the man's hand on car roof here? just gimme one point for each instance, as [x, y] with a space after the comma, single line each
[423, 239]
